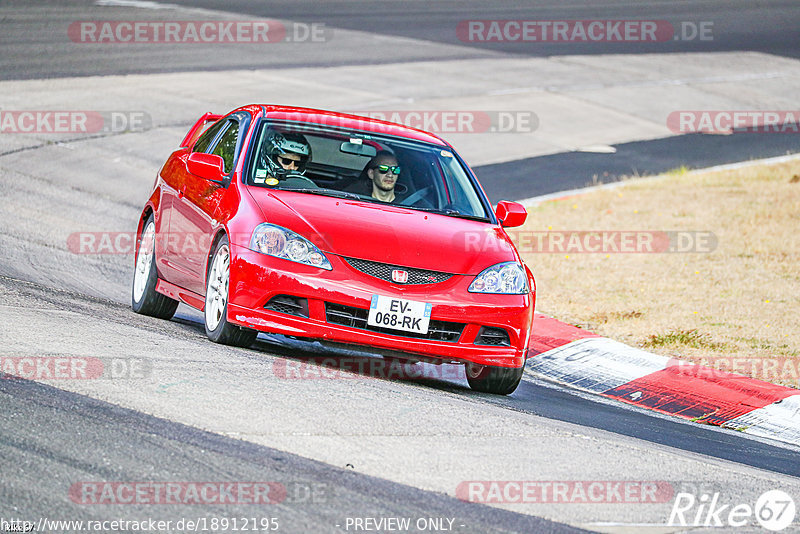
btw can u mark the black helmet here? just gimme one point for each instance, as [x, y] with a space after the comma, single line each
[278, 144]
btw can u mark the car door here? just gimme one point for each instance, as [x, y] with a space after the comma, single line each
[174, 175]
[195, 207]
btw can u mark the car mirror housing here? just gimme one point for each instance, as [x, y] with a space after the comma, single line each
[511, 214]
[358, 149]
[208, 166]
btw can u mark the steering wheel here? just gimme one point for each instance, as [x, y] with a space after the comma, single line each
[298, 181]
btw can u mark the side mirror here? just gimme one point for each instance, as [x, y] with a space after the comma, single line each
[511, 214]
[208, 166]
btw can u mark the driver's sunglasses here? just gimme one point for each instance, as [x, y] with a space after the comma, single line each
[289, 161]
[383, 169]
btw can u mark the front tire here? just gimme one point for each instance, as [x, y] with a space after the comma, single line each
[491, 379]
[218, 329]
[144, 297]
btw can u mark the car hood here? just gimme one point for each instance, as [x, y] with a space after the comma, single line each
[386, 233]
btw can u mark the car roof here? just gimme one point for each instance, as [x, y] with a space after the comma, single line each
[344, 121]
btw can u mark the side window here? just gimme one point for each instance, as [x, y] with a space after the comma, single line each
[226, 148]
[208, 136]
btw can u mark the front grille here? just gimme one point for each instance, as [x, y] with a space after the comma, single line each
[384, 272]
[288, 305]
[492, 336]
[357, 318]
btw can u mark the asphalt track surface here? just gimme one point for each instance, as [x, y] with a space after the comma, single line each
[543, 175]
[742, 25]
[737, 25]
[42, 454]
[50, 437]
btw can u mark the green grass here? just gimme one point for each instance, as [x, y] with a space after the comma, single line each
[679, 171]
[683, 338]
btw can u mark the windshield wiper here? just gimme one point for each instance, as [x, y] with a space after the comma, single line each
[456, 213]
[324, 191]
[448, 212]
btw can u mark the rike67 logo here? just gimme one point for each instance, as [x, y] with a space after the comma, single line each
[774, 510]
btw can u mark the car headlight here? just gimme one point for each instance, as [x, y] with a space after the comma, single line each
[507, 278]
[283, 243]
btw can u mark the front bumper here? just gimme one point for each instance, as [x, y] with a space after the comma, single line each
[257, 278]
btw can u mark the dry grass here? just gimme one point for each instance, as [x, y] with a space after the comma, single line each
[740, 302]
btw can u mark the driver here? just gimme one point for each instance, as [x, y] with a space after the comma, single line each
[283, 159]
[383, 171]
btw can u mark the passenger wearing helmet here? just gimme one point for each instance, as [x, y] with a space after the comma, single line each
[283, 160]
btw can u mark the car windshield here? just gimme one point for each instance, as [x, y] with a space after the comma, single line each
[363, 166]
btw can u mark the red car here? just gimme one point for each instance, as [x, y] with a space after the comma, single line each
[332, 227]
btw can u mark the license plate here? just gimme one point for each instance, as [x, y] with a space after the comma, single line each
[399, 314]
